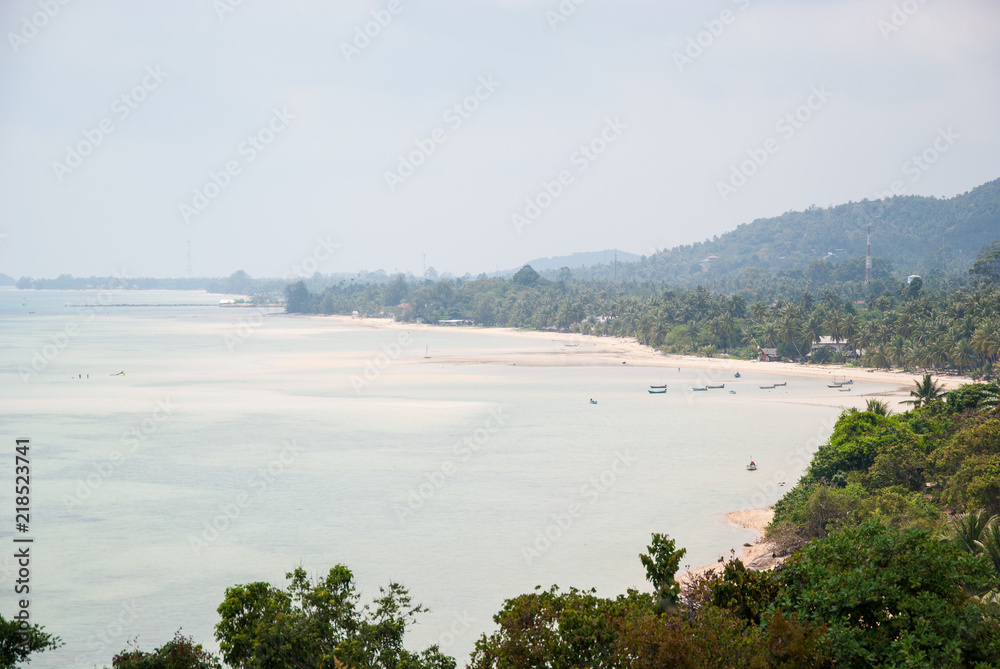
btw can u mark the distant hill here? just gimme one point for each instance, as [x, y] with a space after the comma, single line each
[7, 281]
[915, 234]
[577, 260]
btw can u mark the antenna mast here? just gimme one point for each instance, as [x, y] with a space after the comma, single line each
[868, 255]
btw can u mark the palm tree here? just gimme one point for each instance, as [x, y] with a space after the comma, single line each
[969, 530]
[990, 544]
[834, 324]
[771, 334]
[926, 391]
[878, 407]
[962, 355]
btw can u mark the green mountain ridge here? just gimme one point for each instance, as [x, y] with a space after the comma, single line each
[915, 234]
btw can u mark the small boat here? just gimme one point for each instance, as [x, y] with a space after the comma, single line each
[783, 383]
[663, 386]
[732, 392]
[593, 401]
[656, 392]
[766, 387]
[844, 390]
[835, 385]
[700, 389]
[427, 353]
[752, 467]
[572, 345]
[736, 375]
[717, 387]
[121, 373]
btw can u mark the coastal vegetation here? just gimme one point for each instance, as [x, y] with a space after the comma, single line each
[903, 326]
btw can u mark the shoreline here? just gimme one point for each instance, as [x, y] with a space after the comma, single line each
[758, 555]
[587, 350]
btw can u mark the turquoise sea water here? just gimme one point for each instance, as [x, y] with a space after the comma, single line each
[240, 444]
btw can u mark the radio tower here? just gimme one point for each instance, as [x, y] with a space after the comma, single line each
[868, 256]
[189, 259]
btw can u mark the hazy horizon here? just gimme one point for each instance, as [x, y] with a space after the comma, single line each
[259, 132]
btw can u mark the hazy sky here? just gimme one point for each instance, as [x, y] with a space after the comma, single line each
[621, 120]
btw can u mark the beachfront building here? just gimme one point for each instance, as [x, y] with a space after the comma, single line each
[768, 354]
[829, 342]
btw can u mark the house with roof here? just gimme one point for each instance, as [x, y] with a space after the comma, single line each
[767, 354]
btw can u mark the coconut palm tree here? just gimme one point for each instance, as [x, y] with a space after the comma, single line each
[926, 391]
[962, 355]
[878, 407]
[989, 544]
[969, 530]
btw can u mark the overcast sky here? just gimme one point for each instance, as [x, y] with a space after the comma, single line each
[115, 115]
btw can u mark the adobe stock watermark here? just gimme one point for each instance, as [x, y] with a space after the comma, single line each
[702, 41]
[436, 479]
[899, 17]
[455, 116]
[108, 638]
[363, 35]
[130, 442]
[41, 357]
[245, 327]
[715, 374]
[321, 253]
[560, 523]
[231, 511]
[32, 24]
[224, 7]
[375, 367]
[460, 624]
[121, 108]
[562, 13]
[920, 163]
[787, 126]
[585, 155]
[248, 150]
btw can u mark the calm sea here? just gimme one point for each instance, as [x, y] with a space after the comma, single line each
[240, 444]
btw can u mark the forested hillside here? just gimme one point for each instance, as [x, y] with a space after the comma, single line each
[913, 234]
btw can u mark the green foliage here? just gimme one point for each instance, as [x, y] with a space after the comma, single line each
[970, 396]
[298, 299]
[926, 391]
[877, 407]
[968, 530]
[976, 485]
[549, 628]
[899, 463]
[852, 446]
[746, 593]
[179, 653]
[987, 265]
[17, 647]
[526, 276]
[892, 598]
[662, 563]
[315, 623]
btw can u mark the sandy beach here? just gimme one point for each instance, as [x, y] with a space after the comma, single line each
[572, 349]
[759, 555]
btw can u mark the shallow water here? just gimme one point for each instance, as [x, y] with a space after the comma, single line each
[238, 446]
